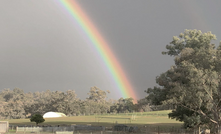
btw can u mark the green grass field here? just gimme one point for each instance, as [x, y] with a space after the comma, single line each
[155, 118]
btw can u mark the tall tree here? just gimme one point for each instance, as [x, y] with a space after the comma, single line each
[97, 95]
[66, 102]
[193, 84]
[97, 101]
[123, 106]
[143, 105]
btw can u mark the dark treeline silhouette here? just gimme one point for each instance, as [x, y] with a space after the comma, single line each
[16, 104]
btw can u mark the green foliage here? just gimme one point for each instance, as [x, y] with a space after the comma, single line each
[156, 95]
[143, 105]
[37, 118]
[97, 95]
[193, 83]
[123, 106]
[190, 118]
[97, 101]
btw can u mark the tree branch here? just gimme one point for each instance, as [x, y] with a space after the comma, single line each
[208, 117]
[200, 112]
[208, 92]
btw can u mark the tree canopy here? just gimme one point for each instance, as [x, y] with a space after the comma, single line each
[37, 118]
[192, 84]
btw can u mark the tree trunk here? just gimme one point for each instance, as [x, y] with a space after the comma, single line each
[218, 129]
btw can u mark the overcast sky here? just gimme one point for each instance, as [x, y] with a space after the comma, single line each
[42, 47]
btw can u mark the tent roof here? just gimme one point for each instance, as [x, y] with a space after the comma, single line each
[53, 115]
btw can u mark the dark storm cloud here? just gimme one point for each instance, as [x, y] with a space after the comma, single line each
[42, 48]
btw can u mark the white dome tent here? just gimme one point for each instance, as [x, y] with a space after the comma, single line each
[53, 115]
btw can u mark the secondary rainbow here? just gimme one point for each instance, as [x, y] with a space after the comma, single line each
[101, 46]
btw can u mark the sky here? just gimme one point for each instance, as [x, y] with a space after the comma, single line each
[43, 48]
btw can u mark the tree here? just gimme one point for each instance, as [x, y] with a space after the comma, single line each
[70, 103]
[193, 84]
[123, 106]
[97, 95]
[97, 101]
[143, 105]
[12, 105]
[28, 103]
[37, 118]
[43, 102]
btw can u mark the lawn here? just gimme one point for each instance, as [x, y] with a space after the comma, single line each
[154, 118]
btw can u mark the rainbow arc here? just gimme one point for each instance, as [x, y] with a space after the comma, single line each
[101, 46]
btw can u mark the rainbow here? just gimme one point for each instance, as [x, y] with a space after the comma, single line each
[101, 46]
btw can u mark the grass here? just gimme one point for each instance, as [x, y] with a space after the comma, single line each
[154, 118]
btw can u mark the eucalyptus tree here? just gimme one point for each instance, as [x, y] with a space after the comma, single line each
[97, 101]
[193, 83]
[97, 95]
[28, 103]
[42, 102]
[12, 103]
[66, 102]
[122, 106]
[143, 105]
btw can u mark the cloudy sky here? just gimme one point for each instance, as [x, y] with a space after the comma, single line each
[42, 47]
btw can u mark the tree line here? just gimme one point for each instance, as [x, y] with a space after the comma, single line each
[16, 104]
